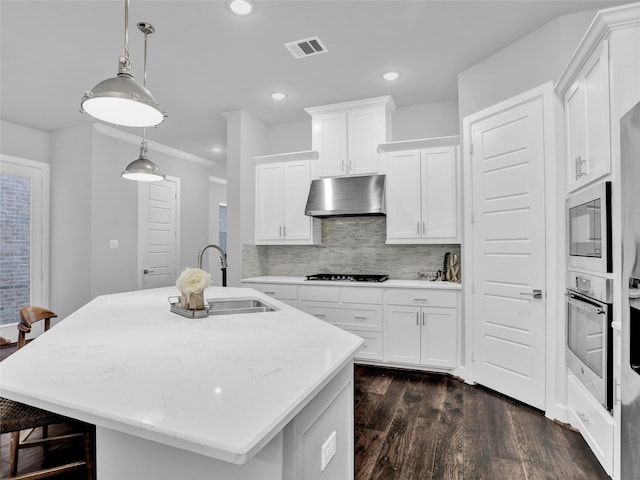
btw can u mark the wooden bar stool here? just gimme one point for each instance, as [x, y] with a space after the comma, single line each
[16, 417]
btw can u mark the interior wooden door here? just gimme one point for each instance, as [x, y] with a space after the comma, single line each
[509, 251]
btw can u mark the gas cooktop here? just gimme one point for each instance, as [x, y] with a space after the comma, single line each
[348, 277]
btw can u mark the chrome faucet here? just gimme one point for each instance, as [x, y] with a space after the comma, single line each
[223, 260]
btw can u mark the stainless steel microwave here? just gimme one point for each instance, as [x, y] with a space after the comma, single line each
[589, 229]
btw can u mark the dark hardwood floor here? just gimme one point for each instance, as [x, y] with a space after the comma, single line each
[421, 426]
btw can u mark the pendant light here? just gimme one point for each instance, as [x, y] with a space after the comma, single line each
[143, 169]
[121, 100]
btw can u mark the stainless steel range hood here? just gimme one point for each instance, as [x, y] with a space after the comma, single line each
[346, 196]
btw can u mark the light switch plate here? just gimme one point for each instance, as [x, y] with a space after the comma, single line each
[328, 450]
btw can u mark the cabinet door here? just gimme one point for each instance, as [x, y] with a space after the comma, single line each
[596, 87]
[268, 202]
[588, 124]
[404, 195]
[439, 194]
[296, 180]
[402, 334]
[438, 337]
[362, 142]
[329, 139]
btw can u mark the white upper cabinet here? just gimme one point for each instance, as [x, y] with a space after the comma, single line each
[282, 188]
[586, 104]
[422, 191]
[346, 135]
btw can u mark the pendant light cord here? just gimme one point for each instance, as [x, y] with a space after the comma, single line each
[125, 63]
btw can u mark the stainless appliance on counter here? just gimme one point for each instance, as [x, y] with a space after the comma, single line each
[347, 277]
[589, 333]
[630, 380]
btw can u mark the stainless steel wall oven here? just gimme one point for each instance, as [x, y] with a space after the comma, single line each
[589, 228]
[589, 333]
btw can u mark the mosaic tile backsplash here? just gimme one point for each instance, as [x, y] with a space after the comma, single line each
[349, 245]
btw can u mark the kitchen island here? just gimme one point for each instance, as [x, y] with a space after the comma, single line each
[254, 395]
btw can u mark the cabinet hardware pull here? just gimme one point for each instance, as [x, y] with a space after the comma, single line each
[423, 319]
[418, 227]
[145, 271]
[359, 317]
[350, 166]
[284, 230]
[319, 315]
[424, 228]
[342, 170]
[269, 293]
[418, 319]
[579, 163]
[420, 300]
[280, 231]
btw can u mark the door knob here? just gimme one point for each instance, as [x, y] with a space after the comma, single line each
[535, 293]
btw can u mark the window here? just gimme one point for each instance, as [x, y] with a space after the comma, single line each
[222, 227]
[24, 239]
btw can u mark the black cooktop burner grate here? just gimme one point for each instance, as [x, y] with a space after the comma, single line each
[348, 277]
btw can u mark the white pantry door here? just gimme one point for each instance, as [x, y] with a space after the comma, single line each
[508, 232]
[157, 233]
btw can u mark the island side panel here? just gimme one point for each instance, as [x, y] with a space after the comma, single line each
[330, 412]
[120, 456]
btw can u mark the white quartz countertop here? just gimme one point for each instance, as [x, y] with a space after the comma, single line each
[221, 386]
[387, 284]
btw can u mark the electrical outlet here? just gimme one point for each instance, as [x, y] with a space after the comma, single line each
[328, 450]
[113, 244]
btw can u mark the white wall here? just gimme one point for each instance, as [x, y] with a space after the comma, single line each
[439, 119]
[24, 142]
[289, 137]
[246, 138]
[70, 219]
[533, 60]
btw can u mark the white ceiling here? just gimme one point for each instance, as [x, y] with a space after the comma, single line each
[204, 60]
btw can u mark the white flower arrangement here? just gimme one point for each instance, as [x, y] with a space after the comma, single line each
[193, 280]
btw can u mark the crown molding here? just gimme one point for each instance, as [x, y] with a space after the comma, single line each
[151, 145]
[213, 179]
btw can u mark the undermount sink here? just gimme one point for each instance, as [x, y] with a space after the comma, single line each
[227, 306]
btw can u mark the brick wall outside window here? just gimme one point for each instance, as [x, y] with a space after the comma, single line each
[15, 251]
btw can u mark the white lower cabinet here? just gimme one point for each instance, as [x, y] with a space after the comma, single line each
[421, 335]
[355, 309]
[595, 424]
[415, 327]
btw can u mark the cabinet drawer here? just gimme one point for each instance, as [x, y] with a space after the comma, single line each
[420, 297]
[372, 348]
[361, 295]
[595, 424]
[347, 316]
[319, 293]
[279, 291]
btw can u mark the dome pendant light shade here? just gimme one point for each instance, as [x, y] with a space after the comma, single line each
[121, 100]
[143, 169]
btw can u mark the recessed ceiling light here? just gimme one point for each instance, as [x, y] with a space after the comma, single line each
[278, 95]
[390, 76]
[241, 7]
[216, 149]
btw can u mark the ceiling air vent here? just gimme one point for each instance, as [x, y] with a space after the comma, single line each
[306, 47]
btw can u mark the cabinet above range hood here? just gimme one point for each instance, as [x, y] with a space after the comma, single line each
[346, 196]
